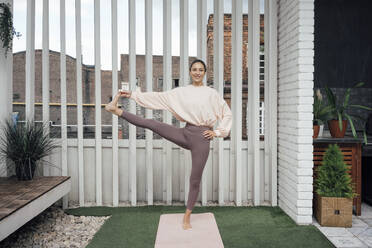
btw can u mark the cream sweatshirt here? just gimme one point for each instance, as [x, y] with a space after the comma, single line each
[198, 105]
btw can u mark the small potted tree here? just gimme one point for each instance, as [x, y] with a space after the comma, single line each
[334, 192]
[23, 146]
[320, 113]
[341, 114]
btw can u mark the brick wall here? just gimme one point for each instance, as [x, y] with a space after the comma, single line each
[55, 87]
[295, 98]
[88, 77]
[227, 61]
[227, 46]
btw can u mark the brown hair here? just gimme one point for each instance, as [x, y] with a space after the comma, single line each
[198, 61]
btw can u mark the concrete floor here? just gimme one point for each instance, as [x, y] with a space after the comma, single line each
[359, 235]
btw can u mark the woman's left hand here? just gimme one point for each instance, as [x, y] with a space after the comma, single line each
[209, 134]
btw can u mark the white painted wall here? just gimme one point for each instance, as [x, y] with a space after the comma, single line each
[295, 99]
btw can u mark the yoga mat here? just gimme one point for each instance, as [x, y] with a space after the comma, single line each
[204, 232]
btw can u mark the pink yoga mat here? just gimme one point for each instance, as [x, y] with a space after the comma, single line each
[204, 232]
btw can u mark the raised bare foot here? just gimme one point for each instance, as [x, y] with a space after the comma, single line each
[110, 107]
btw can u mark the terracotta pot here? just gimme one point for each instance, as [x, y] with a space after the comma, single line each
[316, 131]
[334, 129]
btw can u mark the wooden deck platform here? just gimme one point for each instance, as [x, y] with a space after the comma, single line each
[20, 201]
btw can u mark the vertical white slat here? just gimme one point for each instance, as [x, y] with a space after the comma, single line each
[202, 54]
[45, 75]
[185, 163]
[218, 67]
[132, 106]
[97, 77]
[79, 97]
[236, 95]
[167, 84]
[6, 93]
[271, 84]
[148, 70]
[202, 31]
[62, 16]
[267, 100]
[30, 60]
[115, 143]
[254, 94]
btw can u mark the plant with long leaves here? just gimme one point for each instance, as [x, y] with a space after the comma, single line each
[24, 145]
[341, 110]
[320, 109]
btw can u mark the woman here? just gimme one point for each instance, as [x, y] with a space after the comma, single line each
[199, 106]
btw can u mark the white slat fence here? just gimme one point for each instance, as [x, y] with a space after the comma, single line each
[185, 159]
[115, 143]
[132, 106]
[97, 81]
[238, 170]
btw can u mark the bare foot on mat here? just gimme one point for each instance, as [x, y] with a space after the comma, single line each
[186, 223]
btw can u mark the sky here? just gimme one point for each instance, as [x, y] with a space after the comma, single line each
[87, 22]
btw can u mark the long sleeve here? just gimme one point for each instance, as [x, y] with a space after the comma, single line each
[151, 100]
[224, 119]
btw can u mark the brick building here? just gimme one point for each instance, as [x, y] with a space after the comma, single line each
[227, 61]
[88, 76]
[227, 46]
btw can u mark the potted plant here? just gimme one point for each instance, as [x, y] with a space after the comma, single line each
[340, 118]
[334, 192]
[24, 146]
[320, 113]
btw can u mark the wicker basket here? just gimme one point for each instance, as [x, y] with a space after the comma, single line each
[334, 211]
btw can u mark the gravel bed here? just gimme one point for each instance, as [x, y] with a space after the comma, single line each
[55, 228]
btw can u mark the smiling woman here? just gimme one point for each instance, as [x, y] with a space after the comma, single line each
[187, 104]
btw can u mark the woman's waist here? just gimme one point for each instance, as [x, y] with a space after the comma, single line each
[188, 124]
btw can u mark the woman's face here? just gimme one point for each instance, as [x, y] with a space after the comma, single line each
[197, 72]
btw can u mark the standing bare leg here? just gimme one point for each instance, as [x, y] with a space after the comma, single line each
[186, 219]
[199, 155]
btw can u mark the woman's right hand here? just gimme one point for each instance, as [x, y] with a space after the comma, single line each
[125, 93]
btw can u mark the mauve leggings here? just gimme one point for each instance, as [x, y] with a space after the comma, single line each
[190, 137]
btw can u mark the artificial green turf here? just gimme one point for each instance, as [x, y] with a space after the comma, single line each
[239, 227]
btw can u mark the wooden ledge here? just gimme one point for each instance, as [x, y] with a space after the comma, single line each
[20, 201]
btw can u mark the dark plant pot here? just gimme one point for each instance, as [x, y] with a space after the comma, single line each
[316, 131]
[25, 170]
[334, 129]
